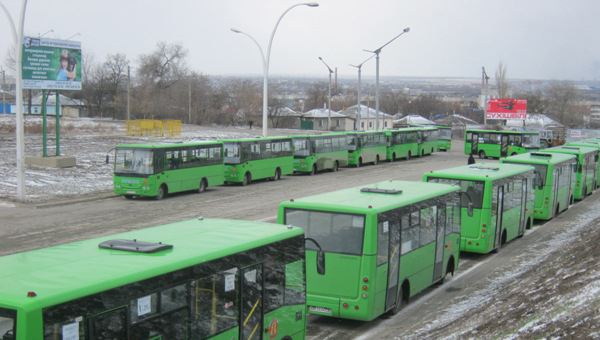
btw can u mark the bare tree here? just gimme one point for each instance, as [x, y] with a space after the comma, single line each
[562, 99]
[501, 82]
[316, 96]
[165, 66]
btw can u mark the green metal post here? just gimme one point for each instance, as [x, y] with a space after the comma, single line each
[57, 123]
[44, 126]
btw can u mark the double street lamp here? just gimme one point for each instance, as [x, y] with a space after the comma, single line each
[265, 60]
[358, 110]
[328, 95]
[376, 53]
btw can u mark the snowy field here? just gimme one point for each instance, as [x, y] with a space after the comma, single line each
[88, 140]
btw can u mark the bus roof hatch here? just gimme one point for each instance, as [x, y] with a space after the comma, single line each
[381, 191]
[134, 246]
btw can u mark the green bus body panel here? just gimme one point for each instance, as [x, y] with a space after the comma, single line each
[584, 186]
[176, 180]
[71, 271]
[472, 226]
[287, 323]
[493, 150]
[591, 144]
[323, 160]
[343, 280]
[368, 155]
[544, 198]
[444, 145]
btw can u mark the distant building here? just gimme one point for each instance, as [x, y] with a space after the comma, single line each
[413, 120]
[320, 117]
[368, 118]
[68, 107]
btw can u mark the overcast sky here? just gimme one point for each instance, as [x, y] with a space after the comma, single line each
[536, 39]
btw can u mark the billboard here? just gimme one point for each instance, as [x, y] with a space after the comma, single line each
[51, 64]
[507, 108]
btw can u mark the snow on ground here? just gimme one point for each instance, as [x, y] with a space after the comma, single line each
[88, 140]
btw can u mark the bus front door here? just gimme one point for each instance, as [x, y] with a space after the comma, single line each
[394, 266]
[555, 190]
[252, 302]
[440, 243]
[500, 209]
[475, 144]
[504, 146]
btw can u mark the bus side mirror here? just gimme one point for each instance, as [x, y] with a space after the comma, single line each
[107, 159]
[470, 208]
[596, 158]
[321, 262]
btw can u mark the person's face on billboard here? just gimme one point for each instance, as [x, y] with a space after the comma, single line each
[64, 63]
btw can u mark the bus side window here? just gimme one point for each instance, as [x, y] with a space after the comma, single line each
[428, 225]
[383, 241]
[215, 303]
[294, 272]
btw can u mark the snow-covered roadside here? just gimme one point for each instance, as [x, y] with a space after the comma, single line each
[88, 140]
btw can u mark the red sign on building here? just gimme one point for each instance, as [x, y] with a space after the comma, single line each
[507, 108]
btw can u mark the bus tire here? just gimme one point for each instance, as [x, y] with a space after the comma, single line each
[314, 170]
[557, 212]
[128, 197]
[394, 157]
[431, 151]
[513, 154]
[482, 154]
[449, 269]
[571, 200]
[247, 179]
[359, 162]
[408, 156]
[376, 160]
[422, 153]
[277, 174]
[202, 186]
[162, 192]
[336, 166]
[398, 306]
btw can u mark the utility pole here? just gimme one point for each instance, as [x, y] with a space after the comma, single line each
[3, 90]
[484, 82]
[128, 92]
[190, 101]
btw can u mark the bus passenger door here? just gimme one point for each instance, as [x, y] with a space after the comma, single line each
[252, 303]
[500, 209]
[555, 190]
[440, 242]
[522, 221]
[394, 265]
[475, 144]
[504, 145]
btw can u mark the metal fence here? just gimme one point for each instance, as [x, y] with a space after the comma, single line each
[158, 128]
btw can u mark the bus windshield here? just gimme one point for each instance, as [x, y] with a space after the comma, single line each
[134, 161]
[335, 232]
[231, 153]
[352, 142]
[8, 321]
[445, 134]
[301, 147]
[531, 141]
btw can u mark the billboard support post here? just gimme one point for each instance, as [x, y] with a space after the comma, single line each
[57, 115]
[44, 126]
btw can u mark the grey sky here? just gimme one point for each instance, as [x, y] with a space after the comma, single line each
[536, 39]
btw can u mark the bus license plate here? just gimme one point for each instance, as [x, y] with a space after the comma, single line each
[130, 192]
[319, 309]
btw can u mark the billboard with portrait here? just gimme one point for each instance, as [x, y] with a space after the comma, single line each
[507, 108]
[51, 64]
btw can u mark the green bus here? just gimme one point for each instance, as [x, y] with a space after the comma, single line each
[444, 138]
[258, 158]
[402, 143]
[196, 279]
[497, 144]
[587, 167]
[554, 181]
[159, 169]
[428, 142]
[314, 153]
[375, 246]
[366, 147]
[591, 144]
[496, 202]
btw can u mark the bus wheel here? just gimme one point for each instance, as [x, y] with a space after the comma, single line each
[431, 151]
[513, 154]
[482, 154]
[359, 162]
[398, 306]
[247, 179]
[557, 210]
[314, 170]
[336, 165]
[162, 192]
[376, 160]
[422, 153]
[394, 157]
[128, 197]
[277, 175]
[408, 157]
[202, 187]
[572, 200]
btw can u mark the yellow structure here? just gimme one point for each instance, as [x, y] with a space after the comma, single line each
[158, 128]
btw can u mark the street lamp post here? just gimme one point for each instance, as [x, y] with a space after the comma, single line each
[359, 66]
[18, 41]
[41, 35]
[328, 95]
[376, 52]
[265, 60]
[3, 90]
